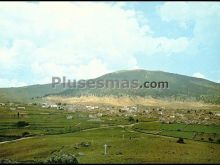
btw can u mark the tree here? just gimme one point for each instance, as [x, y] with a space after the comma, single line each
[210, 139]
[20, 124]
[180, 140]
[24, 134]
[131, 119]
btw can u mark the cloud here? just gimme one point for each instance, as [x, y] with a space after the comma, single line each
[93, 69]
[198, 75]
[88, 38]
[203, 16]
[11, 83]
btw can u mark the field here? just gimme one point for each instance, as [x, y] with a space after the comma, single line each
[49, 132]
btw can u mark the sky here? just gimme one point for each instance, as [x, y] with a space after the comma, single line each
[81, 40]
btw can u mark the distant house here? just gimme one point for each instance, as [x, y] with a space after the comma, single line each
[90, 107]
[2, 104]
[54, 106]
[12, 109]
[217, 114]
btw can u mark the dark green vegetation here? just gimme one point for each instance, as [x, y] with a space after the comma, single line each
[47, 136]
[180, 88]
[27, 93]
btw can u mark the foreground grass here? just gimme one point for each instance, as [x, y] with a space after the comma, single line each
[125, 147]
[144, 142]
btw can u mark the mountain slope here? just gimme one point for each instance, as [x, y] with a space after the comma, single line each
[180, 87]
[23, 94]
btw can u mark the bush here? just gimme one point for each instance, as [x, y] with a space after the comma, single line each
[20, 124]
[24, 134]
[85, 144]
[6, 161]
[131, 119]
[180, 140]
[62, 159]
[210, 139]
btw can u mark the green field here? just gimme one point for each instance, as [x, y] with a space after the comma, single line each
[147, 141]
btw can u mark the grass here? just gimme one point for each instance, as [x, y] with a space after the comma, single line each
[140, 149]
[51, 133]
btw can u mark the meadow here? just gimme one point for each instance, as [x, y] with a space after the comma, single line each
[47, 132]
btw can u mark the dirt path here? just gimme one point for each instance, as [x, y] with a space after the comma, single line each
[122, 126]
[16, 140]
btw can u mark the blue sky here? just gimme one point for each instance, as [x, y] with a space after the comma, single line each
[86, 40]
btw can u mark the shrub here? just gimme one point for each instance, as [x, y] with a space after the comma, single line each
[180, 140]
[131, 119]
[62, 159]
[6, 161]
[85, 144]
[210, 139]
[20, 124]
[24, 134]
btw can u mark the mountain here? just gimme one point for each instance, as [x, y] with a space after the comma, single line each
[180, 87]
[27, 93]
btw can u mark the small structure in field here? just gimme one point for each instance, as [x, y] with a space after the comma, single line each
[45, 105]
[69, 117]
[2, 104]
[21, 108]
[53, 106]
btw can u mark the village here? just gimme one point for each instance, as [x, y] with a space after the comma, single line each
[163, 115]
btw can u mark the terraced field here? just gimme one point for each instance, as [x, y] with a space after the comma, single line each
[49, 132]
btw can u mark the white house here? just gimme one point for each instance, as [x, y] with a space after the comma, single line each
[54, 106]
[2, 104]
